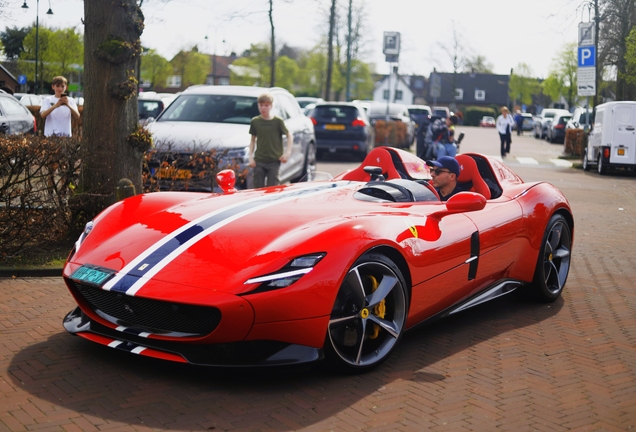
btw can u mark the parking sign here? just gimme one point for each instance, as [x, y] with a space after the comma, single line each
[587, 56]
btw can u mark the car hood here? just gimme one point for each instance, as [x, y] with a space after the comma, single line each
[198, 136]
[218, 242]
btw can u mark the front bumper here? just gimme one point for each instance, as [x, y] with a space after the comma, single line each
[233, 354]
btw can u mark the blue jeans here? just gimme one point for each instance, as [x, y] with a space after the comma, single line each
[449, 149]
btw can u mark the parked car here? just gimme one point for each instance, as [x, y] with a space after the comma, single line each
[335, 270]
[612, 141]
[580, 117]
[556, 130]
[148, 108]
[303, 101]
[487, 121]
[540, 127]
[527, 124]
[342, 127]
[206, 128]
[15, 118]
[28, 99]
[401, 127]
[441, 111]
[420, 114]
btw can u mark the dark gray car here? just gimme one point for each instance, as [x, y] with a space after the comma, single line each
[15, 118]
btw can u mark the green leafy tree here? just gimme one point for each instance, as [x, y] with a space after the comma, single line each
[44, 56]
[253, 67]
[313, 67]
[362, 83]
[522, 86]
[562, 78]
[630, 59]
[12, 39]
[286, 72]
[67, 51]
[155, 68]
[192, 66]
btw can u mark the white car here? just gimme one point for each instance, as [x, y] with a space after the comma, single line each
[206, 128]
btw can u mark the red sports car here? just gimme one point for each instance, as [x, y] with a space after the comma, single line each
[334, 269]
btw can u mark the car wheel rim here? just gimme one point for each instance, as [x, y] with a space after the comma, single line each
[556, 260]
[368, 315]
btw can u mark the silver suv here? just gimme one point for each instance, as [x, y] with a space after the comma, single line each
[206, 129]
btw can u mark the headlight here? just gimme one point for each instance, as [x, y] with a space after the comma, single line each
[286, 276]
[87, 230]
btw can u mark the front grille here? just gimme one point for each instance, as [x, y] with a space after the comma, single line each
[154, 316]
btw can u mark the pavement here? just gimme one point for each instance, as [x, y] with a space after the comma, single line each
[508, 365]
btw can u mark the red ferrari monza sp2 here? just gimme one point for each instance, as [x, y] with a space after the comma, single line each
[335, 269]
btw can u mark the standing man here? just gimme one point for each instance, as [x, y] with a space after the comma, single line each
[519, 122]
[266, 145]
[504, 126]
[56, 110]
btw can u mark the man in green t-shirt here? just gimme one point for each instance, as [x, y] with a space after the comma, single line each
[267, 137]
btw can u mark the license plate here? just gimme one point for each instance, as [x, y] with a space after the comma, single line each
[334, 127]
[91, 275]
[621, 152]
[173, 173]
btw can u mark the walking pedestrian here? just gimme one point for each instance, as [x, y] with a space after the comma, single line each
[504, 126]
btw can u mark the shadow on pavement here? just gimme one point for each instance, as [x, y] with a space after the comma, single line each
[106, 384]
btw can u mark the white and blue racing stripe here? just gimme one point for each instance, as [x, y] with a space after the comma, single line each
[135, 275]
[126, 346]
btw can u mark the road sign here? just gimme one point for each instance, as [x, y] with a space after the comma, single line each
[587, 56]
[22, 79]
[586, 81]
[391, 45]
[586, 34]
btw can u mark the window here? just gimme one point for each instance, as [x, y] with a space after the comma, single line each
[418, 84]
[224, 81]
[174, 81]
[480, 95]
[398, 95]
[385, 94]
[12, 107]
[459, 94]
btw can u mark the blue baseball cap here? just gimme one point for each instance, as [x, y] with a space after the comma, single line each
[448, 162]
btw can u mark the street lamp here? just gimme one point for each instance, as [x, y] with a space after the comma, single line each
[37, 39]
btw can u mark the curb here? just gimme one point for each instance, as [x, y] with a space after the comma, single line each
[35, 272]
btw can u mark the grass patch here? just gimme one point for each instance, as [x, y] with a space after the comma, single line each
[32, 257]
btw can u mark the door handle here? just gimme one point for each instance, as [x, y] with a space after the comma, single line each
[629, 128]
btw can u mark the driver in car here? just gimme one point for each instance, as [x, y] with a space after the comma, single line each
[444, 173]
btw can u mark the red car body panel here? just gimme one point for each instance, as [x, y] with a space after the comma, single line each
[201, 249]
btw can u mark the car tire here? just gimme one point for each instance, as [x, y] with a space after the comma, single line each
[600, 167]
[586, 162]
[553, 263]
[368, 315]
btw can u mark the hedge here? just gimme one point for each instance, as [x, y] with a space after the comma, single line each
[474, 114]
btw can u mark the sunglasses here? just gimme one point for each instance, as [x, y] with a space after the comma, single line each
[438, 171]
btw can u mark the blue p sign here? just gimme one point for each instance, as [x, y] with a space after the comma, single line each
[587, 56]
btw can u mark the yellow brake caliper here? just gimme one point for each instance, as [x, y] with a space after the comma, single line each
[379, 310]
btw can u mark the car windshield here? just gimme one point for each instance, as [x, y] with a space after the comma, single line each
[563, 120]
[418, 111]
[212, 109]
[340, 113]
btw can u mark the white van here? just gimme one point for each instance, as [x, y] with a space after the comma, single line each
[612, 142]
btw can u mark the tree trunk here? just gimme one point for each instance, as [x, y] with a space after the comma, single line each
[332, 25]
[113, 147]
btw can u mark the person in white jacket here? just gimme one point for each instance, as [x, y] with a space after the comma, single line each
[504, 127]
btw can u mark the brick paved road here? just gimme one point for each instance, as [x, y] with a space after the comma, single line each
[507, 365]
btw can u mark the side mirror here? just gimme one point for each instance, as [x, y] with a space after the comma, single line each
[466, 202]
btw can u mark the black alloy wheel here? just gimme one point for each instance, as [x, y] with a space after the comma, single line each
[553, 263]
[368, 316]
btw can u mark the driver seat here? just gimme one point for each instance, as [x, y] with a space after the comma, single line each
[469, 176]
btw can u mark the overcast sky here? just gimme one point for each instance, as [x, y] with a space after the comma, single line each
[505, 32]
